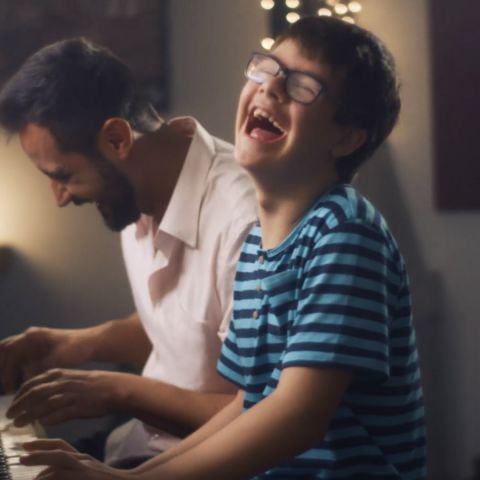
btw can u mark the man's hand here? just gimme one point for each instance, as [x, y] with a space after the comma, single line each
[60, 395]
[38, 349]
[64, 462]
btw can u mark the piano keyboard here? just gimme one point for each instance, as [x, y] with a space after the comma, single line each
[11, 439]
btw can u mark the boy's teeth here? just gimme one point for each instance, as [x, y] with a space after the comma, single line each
[276, 125]
[259, 113]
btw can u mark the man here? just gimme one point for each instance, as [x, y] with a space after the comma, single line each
[183, 207]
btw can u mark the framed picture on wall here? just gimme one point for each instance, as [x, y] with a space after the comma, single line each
[135, 30]
[455, 45]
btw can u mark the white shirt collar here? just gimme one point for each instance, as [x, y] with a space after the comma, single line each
[183, 212]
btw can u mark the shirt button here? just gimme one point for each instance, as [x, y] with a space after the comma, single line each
[261, 259]
[255, 314]
[258, 287]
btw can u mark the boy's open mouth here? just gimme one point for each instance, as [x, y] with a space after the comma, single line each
[262, 126]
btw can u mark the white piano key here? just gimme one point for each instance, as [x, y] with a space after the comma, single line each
[11, 441]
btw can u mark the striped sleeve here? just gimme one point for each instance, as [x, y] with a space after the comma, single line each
[342, 314]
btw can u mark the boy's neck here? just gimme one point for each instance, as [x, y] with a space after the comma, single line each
[280, 211]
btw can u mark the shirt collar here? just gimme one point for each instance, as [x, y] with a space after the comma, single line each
[182, 215]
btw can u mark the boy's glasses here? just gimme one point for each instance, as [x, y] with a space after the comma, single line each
[300, 87]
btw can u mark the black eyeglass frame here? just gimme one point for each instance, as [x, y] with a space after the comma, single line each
[286, 72]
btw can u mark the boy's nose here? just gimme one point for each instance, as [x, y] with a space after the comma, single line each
[275, 87]
[61, 194]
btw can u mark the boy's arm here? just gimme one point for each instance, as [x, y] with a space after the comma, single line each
[66, 462]
[283, 425]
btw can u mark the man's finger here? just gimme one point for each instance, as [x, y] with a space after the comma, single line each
[42, 378]
[39, 399]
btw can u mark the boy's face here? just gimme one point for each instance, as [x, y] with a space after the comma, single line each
[276, 135]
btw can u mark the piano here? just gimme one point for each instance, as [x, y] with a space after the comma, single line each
[11, 439]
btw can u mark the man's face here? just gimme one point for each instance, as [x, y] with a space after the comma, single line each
[276, 135]
[78, 179]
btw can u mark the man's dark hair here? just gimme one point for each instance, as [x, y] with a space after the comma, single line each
[369, 96]
[71, 87]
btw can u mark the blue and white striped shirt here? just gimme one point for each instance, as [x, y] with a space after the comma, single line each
[334, 293]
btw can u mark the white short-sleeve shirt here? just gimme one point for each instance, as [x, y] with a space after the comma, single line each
[181, 276]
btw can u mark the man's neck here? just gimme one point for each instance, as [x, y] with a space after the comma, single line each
[159, 158]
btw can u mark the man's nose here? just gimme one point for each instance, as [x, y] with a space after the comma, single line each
[61, 194]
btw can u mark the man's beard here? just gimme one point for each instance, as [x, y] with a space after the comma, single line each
[118, 205]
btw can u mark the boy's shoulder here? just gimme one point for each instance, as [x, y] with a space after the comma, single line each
[345, 211]
[344, 204]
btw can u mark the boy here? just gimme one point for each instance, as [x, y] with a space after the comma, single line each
[321, 342]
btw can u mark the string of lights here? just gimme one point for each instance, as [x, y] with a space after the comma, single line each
[283, 12]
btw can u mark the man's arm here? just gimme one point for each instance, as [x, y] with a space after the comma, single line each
[222, 418]
[60, 395]
[122, 341]
[38, 349]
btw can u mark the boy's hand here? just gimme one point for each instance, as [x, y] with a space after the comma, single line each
[64, 462]
[37, 349]
[60, 395]
[48, 444]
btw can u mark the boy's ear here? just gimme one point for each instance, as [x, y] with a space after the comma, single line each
[351, 140]
[115, 139]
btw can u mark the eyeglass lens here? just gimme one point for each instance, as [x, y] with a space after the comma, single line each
[299, 86]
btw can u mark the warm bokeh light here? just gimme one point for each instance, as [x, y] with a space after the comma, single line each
[267, 4]
[341, 9]
[292, 17]
[16, 223]
[324, 12]
[347, 10]
[292, 3]
[355, 7]
[267, 43]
